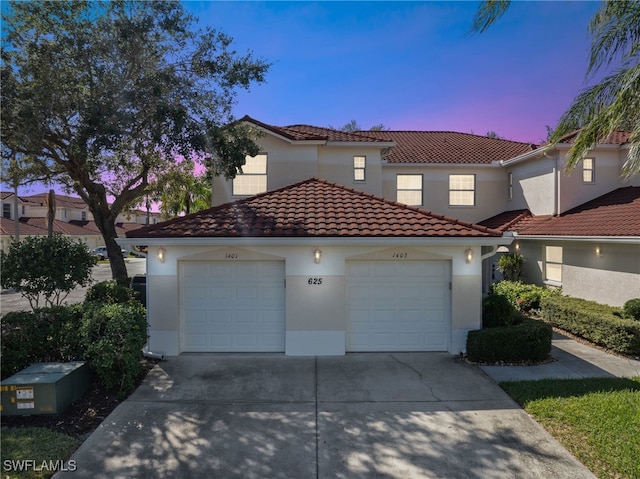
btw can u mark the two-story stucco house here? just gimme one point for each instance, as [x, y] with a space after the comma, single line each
[332, 241]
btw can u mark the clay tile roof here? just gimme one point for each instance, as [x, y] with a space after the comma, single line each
[313, 208]
[505, 220]
[5, 194]
[39, 226]
[618, 137]
[310, 132]
[450, 147]
[62, 201]
[615, 214]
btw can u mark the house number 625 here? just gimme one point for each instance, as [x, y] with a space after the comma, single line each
[315, 281]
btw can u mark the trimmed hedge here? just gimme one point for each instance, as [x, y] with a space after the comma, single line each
[524, 297]
[528, 341]
[42, 335]
[631, 309]
[594, 322]
[108, 331]
[497, 311]
[113, 336]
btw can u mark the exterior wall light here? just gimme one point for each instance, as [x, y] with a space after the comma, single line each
[161, 254]
[598, 251]
[468, 255]
[517, 247]
[317, 254]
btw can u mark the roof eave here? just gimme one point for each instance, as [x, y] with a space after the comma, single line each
[526, 156]
[607, 239]
[322, 241]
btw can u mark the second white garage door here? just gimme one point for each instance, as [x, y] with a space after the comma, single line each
[398, 306]
[232, 306]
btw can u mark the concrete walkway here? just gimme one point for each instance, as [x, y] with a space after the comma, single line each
[390, 416]
[573, 360]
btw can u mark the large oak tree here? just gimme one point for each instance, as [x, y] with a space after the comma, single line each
[106, 96]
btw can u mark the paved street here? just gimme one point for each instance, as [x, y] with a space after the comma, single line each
[11, 301]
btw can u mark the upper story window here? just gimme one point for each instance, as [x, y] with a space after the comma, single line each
[510, 187]
[6, 210]
[253, 179]
[409, 189]
[588, 170]
[462, 190]
[359, 165]
[553, 263]
[83, 214]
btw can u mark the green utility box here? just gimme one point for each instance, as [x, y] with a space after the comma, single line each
[44, 388]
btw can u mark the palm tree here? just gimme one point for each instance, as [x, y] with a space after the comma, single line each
[181, 190]
[614, 103]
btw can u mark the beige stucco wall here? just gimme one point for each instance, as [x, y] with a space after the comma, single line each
[611, 278]
[315, 315]
[491, 188]
[289, 163]
[533, 186]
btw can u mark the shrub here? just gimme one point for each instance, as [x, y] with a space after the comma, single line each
[528, 341]
[113, 336]
[497, 312]
[47, 334]
[524, 297]
[595, 322]
[631, 309]
[111, 292]
[48, 267]
[511, 266]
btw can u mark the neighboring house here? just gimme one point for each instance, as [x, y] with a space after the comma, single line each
[243, 276]
[72, 219]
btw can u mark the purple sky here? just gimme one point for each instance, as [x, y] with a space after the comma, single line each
[410, 65]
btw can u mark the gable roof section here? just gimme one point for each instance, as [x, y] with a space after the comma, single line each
[62, 201]
[313, 208]
[318, 133]
[615, 214]
[618, 137]
[450, 147]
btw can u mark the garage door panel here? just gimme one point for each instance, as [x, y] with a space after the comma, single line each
[398, 306]
[233, 306]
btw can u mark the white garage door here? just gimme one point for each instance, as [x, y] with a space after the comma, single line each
[398, 306]
[232, 306]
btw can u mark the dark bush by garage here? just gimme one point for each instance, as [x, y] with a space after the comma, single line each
[528, 341]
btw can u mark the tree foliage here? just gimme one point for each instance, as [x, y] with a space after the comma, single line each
[46, 268]
[105, 96]
[353, 125]
[181, 190]
[613, 103]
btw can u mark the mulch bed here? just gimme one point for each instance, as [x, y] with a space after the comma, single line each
[82, 417]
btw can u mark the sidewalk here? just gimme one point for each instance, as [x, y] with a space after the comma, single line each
[573, 360]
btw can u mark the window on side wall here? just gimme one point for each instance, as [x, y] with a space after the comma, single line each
[462, 190]
[253, 178]
[84, 215]
[588, 170]
[409, 189]
[553, 263]
[6, 210]
[510, 189]
[359, 166]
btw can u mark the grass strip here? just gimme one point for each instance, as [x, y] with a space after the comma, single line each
[596, 419]
[34, 453]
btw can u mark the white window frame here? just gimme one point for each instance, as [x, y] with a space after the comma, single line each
[252, 180]
[553, 260]
[359, 170]
[589, 170]
[6, 211]
[401, 191]
[453, 191]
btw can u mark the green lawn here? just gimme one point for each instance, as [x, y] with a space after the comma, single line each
[597, 420]
[36, 451]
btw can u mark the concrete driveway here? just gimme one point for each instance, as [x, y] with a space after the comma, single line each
[404, 415]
